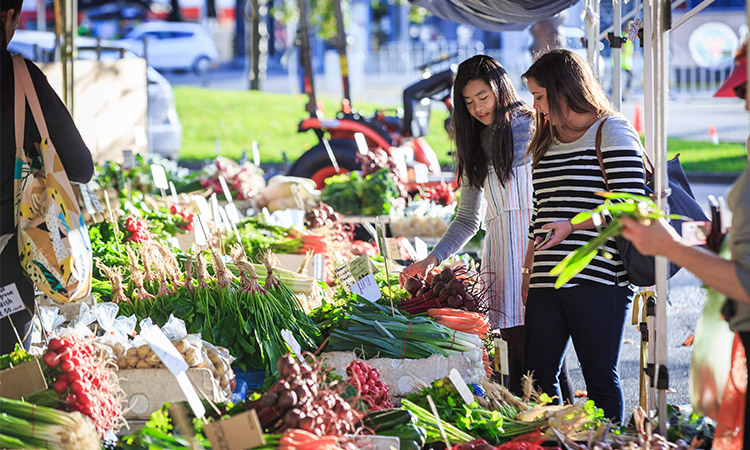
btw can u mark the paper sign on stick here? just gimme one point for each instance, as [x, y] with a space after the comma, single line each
[368, 288]
[173, 191]
[225, 188]
[291, 341]
[256, 154]
[380, 231]
[360, 267]
[235, 433]
[128, 159]
[362, 146]
[501, 356]
[10, 300]
[344, 274]
[421, 248]
[463, 390]
[160, 176]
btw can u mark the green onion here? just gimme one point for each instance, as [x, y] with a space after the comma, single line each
[39, 426]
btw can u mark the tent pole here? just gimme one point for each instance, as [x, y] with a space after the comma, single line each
[617, 56]
[661, 23]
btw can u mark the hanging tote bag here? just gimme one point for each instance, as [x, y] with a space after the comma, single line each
[641, 269]
[53, 242]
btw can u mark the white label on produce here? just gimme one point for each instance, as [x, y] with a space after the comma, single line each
[10, 300]
[420, 247]
[160, 176]
[202, 205]
[232, 213]
[225, 188]
[382, 246]
[463, 390]
[173, 191]
[420, 173]
[368, 288]
[256, 154]
[291, 341]
[362, 146]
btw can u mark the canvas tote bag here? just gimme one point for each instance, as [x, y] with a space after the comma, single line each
[53, 242]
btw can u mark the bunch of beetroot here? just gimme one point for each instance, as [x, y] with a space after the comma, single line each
[84, 382]
[321, 215]
[137, 229]
[372, 389]
[449, 288]
[298, 400]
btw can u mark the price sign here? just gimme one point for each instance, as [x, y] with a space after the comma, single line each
[91, 185]
[319, 267]
[331, 156]
[239, 432]
[198, 232]
[501, 356]
[368, 288]
[10, 300]
[380, 232]
[225, 188]
[361, 266]
[409, 249]
[232, 213]
[160, 176]
[174, 362]
[362, 146]
[421, 248]
[373, 442]
[393, 248]
[344, 274]
[463, 390]
[202, 205]
[128, 159]
[291, 341]
[173, 191]
[256, 154]
[420, 173]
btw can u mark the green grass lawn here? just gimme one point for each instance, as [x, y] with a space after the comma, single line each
[237, 118]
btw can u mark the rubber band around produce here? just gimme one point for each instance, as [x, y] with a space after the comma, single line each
[454, 340]
[403, 354]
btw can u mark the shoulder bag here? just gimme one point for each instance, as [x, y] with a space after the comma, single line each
[642, 269]
[53, 242]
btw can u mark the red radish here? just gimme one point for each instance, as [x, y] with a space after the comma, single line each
[59, 386]
[50, 358]
[55, 344]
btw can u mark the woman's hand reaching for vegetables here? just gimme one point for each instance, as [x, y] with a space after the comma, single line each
[418, 269]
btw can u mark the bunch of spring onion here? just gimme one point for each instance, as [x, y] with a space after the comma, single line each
[25, 425]
[371, 330]
[428, 421]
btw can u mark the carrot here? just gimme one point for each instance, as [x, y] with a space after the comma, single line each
[452, 312]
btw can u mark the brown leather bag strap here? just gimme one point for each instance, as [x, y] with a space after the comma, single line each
[598, 147]
[19, 108]
[22, 72]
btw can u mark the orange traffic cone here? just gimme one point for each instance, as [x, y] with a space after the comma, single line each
[713, 134]
[638, 119]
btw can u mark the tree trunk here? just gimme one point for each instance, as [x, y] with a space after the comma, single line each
[258, 43]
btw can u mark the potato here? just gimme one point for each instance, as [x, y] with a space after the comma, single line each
[122, 363]
[132, 360]
[143, 351]
[152, 359]
[132, 351]
[142, 364]
[192, 357]
[180, 345]
[224, 382]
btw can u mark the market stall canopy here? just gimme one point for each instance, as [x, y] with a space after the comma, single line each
[495, 15]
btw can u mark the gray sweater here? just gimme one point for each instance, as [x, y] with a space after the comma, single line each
[468, 217]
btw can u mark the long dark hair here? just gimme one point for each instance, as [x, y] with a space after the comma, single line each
[471, 159]
[565, 76]
[6, 5]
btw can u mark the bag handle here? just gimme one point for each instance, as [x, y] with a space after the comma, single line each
[598, 148]
[20, 110]
[22, 73]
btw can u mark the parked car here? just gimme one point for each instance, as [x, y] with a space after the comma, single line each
[174, 45]
[164, 127]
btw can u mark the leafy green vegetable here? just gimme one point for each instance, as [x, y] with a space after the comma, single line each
[352, 193]
[16, 357]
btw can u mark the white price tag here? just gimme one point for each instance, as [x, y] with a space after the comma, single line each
[202, 205]
[232, 213]
[319, 267]
[501, 356]
[382, 246]
[463, 390]
[361, 266]
[173, 191]
[331, 156]
[225, 219]
[192, 397]
[361, 141]
[160, 176]
[225, 188]
[420, 173]
[198, 232]
[393, 248]
[215, 214]
[256, 154]
[128, 159]
[368, 288]
[345, 276]
[291, 341]
[10, 300]
[374, 442]
[421, 248]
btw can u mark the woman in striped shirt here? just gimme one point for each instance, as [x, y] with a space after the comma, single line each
[591, 308]
[491, 127]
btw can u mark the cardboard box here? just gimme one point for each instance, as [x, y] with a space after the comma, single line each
[22, 380]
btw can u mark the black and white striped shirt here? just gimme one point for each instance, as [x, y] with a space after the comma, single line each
[565, 182]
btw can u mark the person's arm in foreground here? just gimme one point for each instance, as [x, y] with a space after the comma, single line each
[659, 238]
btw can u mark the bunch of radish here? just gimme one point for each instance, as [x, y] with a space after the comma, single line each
[84, 382]
[372, 389]
[298, 400]
[452, 288]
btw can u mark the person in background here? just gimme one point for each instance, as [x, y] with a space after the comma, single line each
[73, 153]
[730, 277]
[491, 127]
[591, 308]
